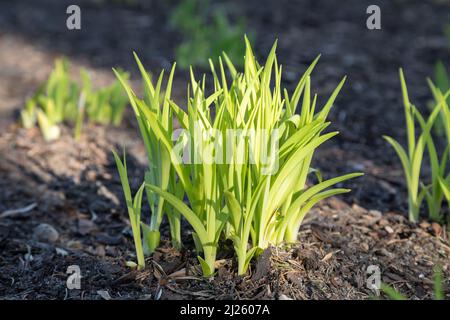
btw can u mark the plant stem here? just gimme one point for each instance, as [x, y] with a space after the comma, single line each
[153, 240]
[175, 229]
[413, 210]
[209, 252]
[290, 235]
[138, 245]
[242, 255]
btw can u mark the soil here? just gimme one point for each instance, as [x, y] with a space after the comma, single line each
[73, 186]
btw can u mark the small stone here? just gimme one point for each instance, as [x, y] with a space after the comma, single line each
[61, 252]
[85, 226]
[45, 233]
[28, 257]
[100, 251]
[74, 244]
[375, 213]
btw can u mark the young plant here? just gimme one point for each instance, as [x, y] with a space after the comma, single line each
[61, 99]
[445, 185]
[160, 172]
[28, 114]
[275, 193]
[441, 83]
[412, 159]
[442, 173]
[200, 179]
[52, 103]
[85, 92]
[134, 208]
[106, 105]
[434, 192]
[248, 186]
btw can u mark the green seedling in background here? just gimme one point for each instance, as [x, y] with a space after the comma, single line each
[62, 100]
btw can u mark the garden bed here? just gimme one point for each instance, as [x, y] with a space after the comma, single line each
[74, 186]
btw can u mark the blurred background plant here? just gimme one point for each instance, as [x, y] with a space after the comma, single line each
[207, 32]
[441, 82]
[62, 100]
[53, 102]
[106, 105]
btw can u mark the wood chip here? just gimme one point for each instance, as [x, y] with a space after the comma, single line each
[436, 228]
[364, 247]
[389, 229]
[329, 255]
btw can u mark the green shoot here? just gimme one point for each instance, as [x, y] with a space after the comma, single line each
[106, 105]
[28, 114]
[412, 158]
[160, 172]
[440, 174]
[62, 100]
[134, 208]
[438, 289]
[441, 83]
[392, 293]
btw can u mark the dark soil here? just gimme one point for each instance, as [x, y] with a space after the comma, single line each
[73, 185]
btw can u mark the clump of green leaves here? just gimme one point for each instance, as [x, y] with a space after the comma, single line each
[155, 109]
[411, 159]
[54, 102]
[207, 31]
[133, 206]
[107, 104]
[61, 99]
[249, 150]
